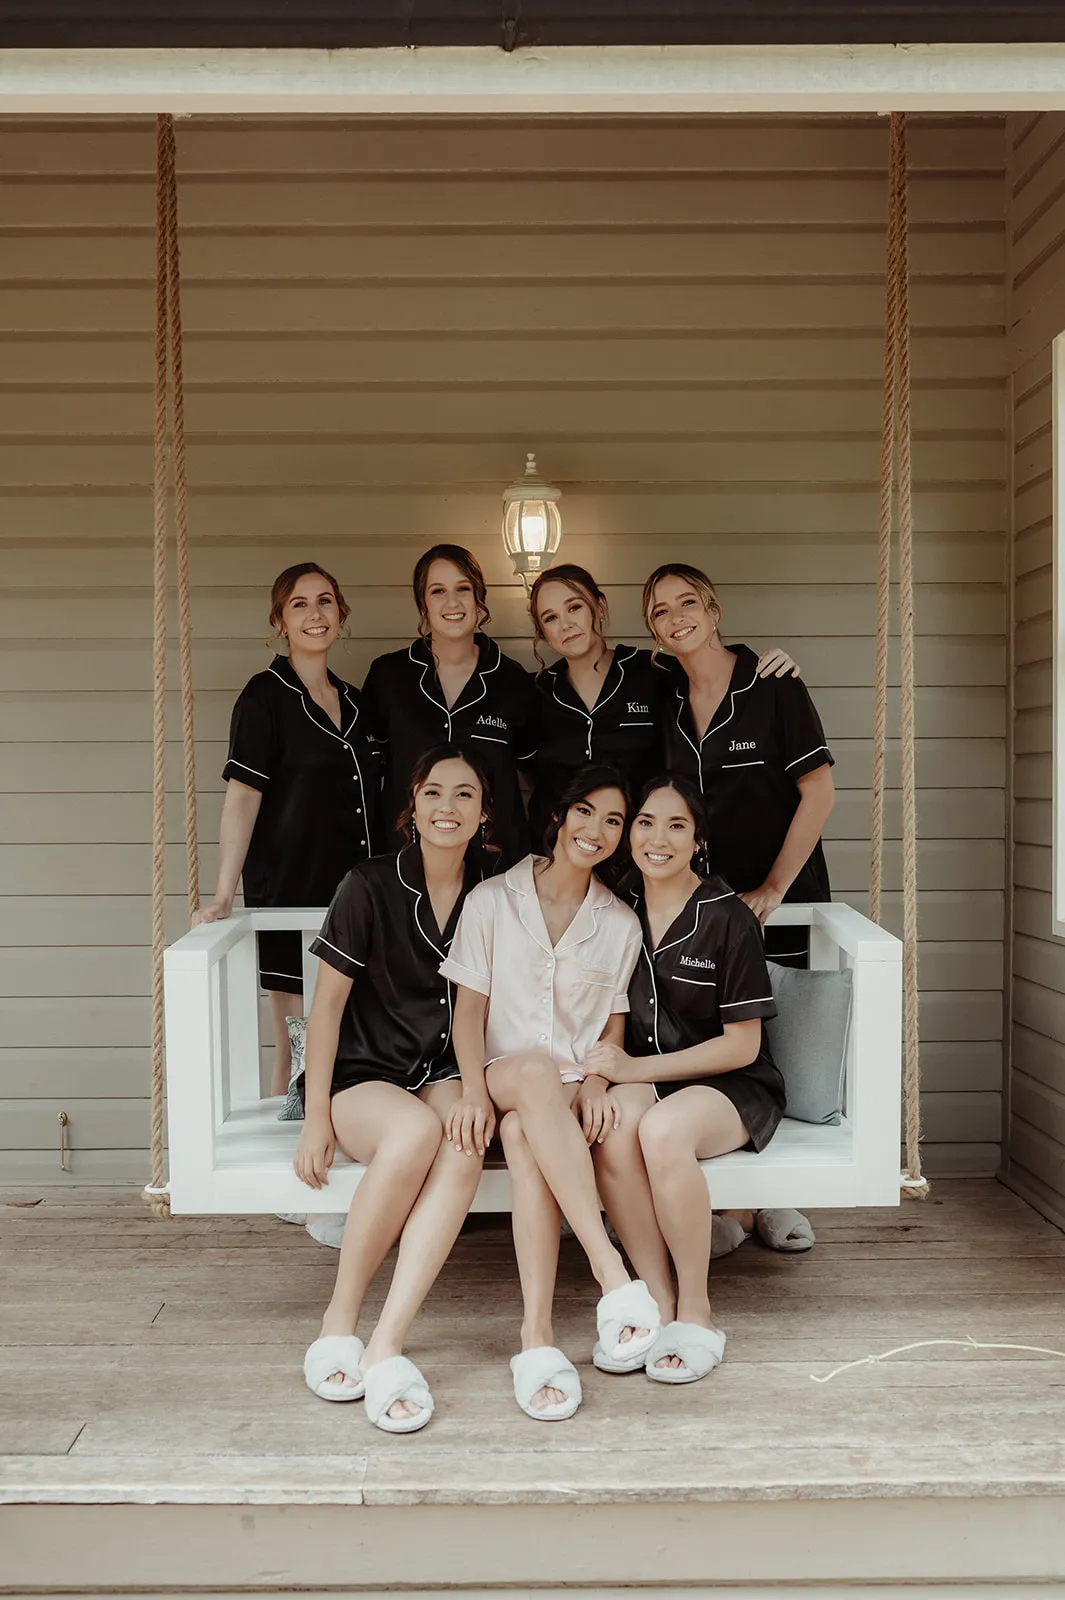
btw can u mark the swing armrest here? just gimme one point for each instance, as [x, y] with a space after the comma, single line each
[203, 947]
[844, 926]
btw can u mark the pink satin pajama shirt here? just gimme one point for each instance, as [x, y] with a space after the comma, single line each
[555, 999]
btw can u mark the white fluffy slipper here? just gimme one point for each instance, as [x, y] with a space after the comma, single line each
[700, 1349]
[392, 1380]
[783, 1228]
[631, 1306]
[545, 1368]
[334, 1352]
[630, 1363]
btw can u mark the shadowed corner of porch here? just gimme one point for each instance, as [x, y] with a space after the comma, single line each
[150, 1362]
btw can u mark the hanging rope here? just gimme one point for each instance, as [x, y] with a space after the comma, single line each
[896, 469]
[883, 576]
[169, 452]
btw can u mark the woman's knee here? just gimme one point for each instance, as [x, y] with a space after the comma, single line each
[536, 1075]
[414, 1137]
[511, 1132]
[662, 1137]
[619, 1151]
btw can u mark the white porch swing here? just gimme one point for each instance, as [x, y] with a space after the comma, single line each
[229, 1153]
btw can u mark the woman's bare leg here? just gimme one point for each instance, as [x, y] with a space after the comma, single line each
[531, 1086]
[425, 1243]
[536, 1220]
[744, 1218]
[397, 1137]
[626, 1192]
[690, 1126]
[282, 1005]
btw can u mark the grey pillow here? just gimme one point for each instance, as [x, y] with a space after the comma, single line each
[292, 1110]
[808, 1039]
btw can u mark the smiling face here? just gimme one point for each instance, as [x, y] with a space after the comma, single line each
[310, 617]
[568, 621]
[679, 617]
[450, 604]
[662, 837]
[592, 828]
[448, 806]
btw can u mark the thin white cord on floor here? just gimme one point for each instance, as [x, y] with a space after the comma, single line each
[923, 1344]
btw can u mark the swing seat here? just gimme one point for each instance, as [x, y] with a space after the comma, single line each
[229, 1154]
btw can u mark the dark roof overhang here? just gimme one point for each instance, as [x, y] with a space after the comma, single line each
[520, 24]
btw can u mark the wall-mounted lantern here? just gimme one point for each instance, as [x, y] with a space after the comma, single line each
[532, 522]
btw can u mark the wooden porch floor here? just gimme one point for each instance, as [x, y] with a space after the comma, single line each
[155, 1430]
[144, 1361]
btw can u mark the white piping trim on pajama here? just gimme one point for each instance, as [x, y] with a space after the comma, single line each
[807, 756]
[353, 959]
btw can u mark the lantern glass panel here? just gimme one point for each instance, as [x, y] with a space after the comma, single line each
[532, 533]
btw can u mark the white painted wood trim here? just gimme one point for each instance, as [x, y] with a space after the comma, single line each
[602, 80]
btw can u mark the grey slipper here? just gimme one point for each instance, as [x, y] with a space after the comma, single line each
[783, 1228]
[726, 1235]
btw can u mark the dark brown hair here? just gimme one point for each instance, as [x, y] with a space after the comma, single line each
[286, 581]
[692, 798]
[581, 583]
[599, 775]
[467, 564]
[420, 772]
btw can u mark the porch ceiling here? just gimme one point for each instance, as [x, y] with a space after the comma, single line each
[517, 24]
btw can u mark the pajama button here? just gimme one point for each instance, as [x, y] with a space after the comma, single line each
[443, 1002]
[649, 1039]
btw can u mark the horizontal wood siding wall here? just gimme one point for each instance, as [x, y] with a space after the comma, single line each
[1036, 1133]
[684, 320]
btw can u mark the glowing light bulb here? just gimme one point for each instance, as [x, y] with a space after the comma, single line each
[533, 531]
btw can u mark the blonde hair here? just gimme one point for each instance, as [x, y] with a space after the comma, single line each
[579, 581]
[693, 577]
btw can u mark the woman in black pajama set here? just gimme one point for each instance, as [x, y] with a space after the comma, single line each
[381, 1079]
[454, 683]
[754, 747]
[695, 1079]
[302, 780]
[756, 750]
